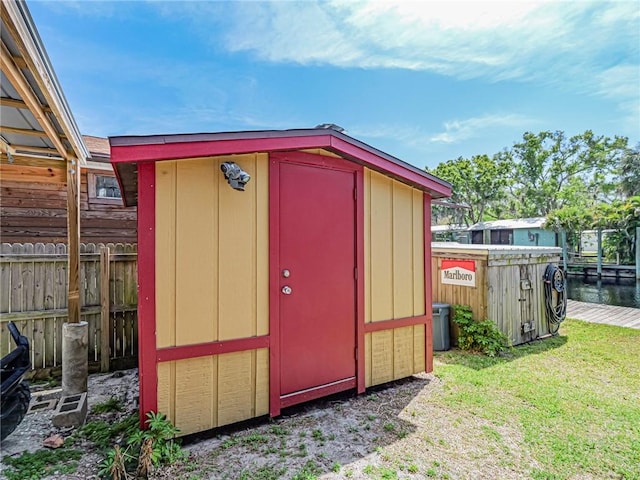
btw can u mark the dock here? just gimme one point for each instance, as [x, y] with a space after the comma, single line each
[608, 270]
[609, 314]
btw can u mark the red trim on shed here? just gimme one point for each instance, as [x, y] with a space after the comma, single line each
[274, 287]
[360, 362]
[211, 348]
[174, 147]
[428, 300]
[148, 375]
[208, 148]
[384, 166]
[395, 323]
[313, 393]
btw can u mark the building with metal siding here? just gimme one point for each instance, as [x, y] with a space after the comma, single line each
[313, 280]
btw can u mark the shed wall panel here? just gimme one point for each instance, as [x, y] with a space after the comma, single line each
[394, 354]
[211, 252]
[165, 254]
[196, 266]
[418, 253]
[393, 249]
[201, 393]
[194, 394]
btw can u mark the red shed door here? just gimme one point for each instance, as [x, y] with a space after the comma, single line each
[317, 278]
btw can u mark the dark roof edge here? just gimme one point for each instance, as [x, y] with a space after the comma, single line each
[130, 140]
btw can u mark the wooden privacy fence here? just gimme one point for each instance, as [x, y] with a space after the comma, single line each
[33, 294]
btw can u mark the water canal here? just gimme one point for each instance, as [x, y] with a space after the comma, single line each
[621, 292]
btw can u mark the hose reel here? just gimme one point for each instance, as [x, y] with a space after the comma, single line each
[555, 296]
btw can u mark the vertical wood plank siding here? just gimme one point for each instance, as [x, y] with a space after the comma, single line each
[498, 294]
[33, 294]
[394, 277]
[211, 294]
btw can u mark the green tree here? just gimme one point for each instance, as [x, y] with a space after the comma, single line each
[629, 172]
[622, 216]
[478, 182]
[552, 171]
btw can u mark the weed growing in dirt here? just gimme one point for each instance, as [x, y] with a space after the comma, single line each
[145, 449]
[42, 463]
[111, 405]
[246, 440]
[103, 434]
[266, 472]
[310, 471]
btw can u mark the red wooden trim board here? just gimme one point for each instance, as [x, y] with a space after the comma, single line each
[396, 323]
[211, 348]
[147, 290]
[360, 363]
[274, 287]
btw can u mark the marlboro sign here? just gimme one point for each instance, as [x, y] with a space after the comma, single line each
[458, 272]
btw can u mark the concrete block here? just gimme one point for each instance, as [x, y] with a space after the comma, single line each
[40, 405]
[71, 411]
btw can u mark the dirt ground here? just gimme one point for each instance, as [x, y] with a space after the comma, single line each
[390, 432]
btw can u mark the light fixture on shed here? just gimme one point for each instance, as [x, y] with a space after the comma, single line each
[236, 177]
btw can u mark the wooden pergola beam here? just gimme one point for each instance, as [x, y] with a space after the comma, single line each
[17, 103]
[24, 131]
[29, 148]
[19, 82]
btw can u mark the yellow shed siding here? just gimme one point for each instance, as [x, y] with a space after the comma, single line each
[394, 277]
[198, 394]
[394, 354]
[218, 290]
[212, 284]
[394, 249]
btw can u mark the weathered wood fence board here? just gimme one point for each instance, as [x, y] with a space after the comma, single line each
[33, 294]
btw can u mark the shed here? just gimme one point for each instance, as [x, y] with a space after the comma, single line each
[520, 231]
[311, 281]
[499, 282]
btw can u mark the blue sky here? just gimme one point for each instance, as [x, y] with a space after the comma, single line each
[424, 81]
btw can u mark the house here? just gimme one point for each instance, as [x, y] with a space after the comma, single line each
[523, 231]
[450, 233]
[275, 267]
[34, 202]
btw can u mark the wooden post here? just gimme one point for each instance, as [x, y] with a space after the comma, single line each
[563, 235]
[637, 253]
[73, 239]
[104, 309]
[599, 252]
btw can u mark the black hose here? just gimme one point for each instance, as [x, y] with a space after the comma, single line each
[555, 281]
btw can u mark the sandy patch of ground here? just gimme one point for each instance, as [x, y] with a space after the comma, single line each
[397, 431]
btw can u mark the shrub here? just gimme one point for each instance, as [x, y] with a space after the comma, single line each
[478, 336]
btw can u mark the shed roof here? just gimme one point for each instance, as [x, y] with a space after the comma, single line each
[127, 151]
[454, 248]
[510, 224]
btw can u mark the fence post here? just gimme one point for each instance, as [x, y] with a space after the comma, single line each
[104, 309]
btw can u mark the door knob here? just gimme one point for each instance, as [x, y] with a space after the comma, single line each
[286, 290]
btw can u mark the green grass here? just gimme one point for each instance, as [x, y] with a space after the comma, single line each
[39, 464]
[575, 399]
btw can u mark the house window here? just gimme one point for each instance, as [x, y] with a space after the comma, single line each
[107, 187]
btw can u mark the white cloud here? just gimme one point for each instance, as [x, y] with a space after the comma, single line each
[567, 44]
[457, 130]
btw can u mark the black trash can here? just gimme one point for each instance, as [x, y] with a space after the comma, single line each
[441, 339]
